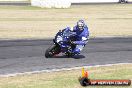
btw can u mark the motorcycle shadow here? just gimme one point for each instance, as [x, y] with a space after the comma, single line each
[74, 57]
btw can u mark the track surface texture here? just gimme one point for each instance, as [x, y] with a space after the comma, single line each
[28, 55]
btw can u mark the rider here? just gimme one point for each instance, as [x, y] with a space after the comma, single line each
[82, 32]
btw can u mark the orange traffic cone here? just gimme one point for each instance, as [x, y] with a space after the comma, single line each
[84, 73]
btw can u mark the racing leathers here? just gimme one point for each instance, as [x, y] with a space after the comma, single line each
[81, 38]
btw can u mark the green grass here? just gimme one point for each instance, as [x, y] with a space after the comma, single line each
[67, 79]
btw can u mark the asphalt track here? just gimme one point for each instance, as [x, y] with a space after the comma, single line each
[28, 55]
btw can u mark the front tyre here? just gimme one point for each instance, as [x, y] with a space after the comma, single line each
[50, 52]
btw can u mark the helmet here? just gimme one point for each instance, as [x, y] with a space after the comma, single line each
[80, 24]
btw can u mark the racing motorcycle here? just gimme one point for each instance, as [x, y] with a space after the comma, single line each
[63, 43]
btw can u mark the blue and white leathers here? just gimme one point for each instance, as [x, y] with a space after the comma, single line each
[81, 38]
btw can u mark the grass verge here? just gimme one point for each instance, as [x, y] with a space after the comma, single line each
[67, 79]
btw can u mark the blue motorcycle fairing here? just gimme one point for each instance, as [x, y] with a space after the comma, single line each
[64, 43]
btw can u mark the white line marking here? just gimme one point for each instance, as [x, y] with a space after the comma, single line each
[57, 70]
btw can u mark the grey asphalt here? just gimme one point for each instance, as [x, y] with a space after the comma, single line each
[28, 55]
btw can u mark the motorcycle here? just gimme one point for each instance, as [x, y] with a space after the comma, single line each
[63, 43]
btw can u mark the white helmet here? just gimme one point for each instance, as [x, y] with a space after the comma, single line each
[80, 24]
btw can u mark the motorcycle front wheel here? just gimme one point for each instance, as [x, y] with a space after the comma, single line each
[53, 50]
